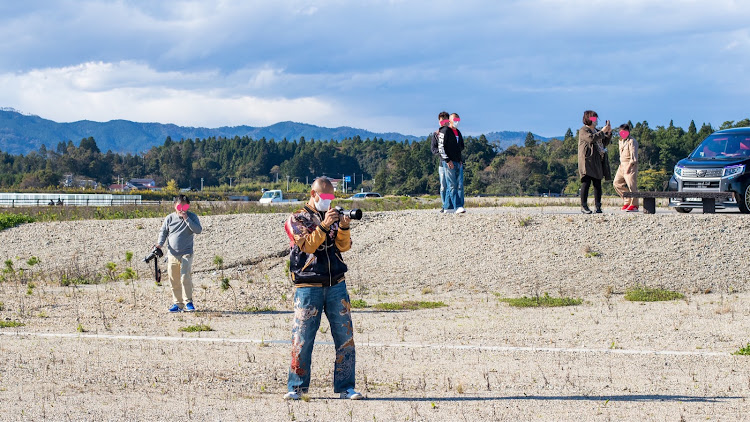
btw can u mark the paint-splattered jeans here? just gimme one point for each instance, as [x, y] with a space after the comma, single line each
[309, 304]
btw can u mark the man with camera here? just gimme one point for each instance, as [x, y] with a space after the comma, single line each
[180, 227]
[318, 235]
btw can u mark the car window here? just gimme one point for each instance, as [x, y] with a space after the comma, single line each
[723, 146]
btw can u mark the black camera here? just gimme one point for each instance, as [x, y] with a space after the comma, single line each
[355, 214]
[155, 253]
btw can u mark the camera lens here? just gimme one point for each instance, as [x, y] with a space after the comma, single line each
[355, 214]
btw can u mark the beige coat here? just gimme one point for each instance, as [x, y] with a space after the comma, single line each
[628, 150]
[626, 179]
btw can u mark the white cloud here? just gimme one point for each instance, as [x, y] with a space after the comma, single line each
[372, 63]
[126, 90]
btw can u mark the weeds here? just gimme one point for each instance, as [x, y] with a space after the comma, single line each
[127, 274]
[524, 221]
[111, 268]
[744, 351]
[588, 253]
[545, 301]
[645, 294]
[80, 329]
[225, 284]
[11, 324]
[219, 263]
[8, 220]
[409, 305]
[358, 304]
[258, 309]
[195, 328]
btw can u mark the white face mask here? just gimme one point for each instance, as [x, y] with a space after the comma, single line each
[323, 204]
[455, 125]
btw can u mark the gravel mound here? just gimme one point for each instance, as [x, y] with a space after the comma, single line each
[511, 251]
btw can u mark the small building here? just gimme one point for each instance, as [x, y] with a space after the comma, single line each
[143, 184]
[118, 188]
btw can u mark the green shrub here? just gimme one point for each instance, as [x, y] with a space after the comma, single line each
[358, 303]
[409, 305]
[545, 301]
[744, 351]
[11, 324]
[195, 328]
[8, 220]
[645, 294]
[258, 309]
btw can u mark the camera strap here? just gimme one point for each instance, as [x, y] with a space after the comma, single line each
[157, 273]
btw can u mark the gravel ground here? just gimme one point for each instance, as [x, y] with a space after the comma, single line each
[121, 356]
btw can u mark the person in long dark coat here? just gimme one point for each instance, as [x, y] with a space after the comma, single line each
[593, 161]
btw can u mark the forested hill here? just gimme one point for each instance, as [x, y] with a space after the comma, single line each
[22, 133]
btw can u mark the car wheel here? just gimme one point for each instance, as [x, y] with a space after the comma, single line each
[683, 210]
[743, 200]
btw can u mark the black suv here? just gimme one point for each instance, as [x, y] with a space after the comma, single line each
[717, 165]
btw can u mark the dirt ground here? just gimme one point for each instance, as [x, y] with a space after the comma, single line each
[111, 351]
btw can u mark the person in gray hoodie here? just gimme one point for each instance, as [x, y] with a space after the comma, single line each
[179, 228]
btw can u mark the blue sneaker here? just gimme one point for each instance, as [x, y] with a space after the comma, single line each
[175, 308]
[189, 307]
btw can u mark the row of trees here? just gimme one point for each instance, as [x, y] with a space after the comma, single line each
[386, 166]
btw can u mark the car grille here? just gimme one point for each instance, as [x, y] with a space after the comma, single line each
[686, 172]
[692, 184]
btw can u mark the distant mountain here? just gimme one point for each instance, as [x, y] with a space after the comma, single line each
[506, 138]
[22, 133]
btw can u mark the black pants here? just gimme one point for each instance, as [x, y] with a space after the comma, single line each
[586, 181]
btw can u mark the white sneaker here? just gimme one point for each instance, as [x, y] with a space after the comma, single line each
[351, 395]
[460, 210]
[292, 395]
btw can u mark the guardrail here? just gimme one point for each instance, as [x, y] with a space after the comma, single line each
[78, 203]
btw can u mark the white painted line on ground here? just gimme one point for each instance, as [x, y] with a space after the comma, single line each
[370, 344]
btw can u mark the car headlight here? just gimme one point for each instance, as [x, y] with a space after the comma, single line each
[734, 170]
[678, 170]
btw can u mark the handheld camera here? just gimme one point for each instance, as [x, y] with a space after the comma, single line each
[155, 253]
[355, 214]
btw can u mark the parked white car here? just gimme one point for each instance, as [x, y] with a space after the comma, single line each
[276, 197]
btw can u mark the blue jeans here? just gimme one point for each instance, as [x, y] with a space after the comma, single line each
[460, 188]
[451, 186]
[441, 174]
[309, 304]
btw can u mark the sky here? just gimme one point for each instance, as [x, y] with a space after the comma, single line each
[380, 65]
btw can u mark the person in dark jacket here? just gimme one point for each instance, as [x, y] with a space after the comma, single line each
[318, 235]
[450, 155]
[443, 120]
[593, 161]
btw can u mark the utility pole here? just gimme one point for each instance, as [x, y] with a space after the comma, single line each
[287, 183]
[230, 182]
[201, 184]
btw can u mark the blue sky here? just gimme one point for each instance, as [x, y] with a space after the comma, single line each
[377, 64]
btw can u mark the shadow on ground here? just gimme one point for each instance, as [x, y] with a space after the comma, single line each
[615, 398]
